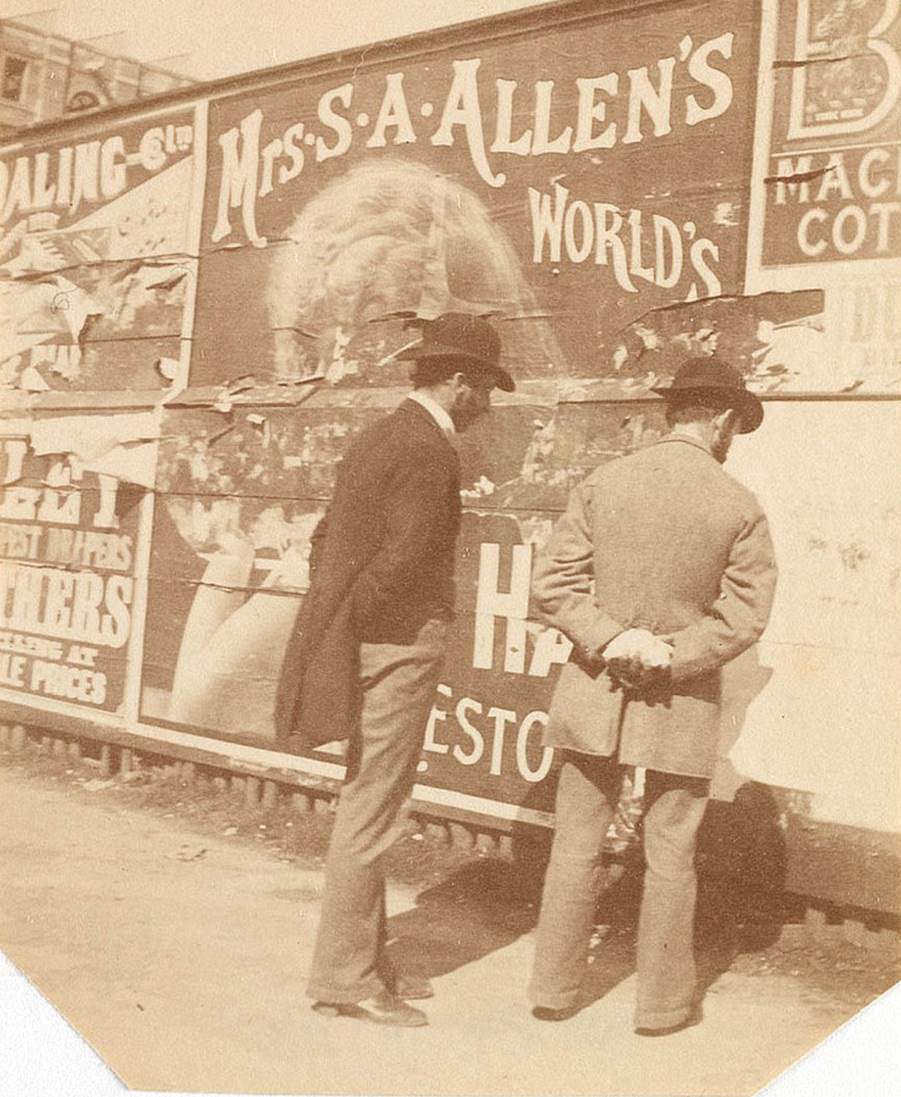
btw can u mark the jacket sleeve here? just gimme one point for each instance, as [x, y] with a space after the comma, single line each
[415, 514]
[562, 580]
[740, 613]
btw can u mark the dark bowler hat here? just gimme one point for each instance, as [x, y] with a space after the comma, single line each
[711, 375]
[468, 338]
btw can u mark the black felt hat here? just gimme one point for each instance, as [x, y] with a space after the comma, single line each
[712, 375]
[470, 339]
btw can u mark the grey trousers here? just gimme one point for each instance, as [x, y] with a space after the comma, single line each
[349, 962]
[586, 800]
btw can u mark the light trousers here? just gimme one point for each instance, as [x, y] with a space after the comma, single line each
[398, 681]
[587, 795]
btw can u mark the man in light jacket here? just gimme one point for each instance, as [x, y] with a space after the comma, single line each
[660, 571]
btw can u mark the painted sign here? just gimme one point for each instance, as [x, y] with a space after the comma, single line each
[833, 184]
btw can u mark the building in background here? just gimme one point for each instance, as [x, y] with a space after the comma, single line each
[44, 76]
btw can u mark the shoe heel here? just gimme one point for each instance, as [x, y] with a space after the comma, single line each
[326, 1009]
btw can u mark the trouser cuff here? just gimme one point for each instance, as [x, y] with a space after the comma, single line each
[662, 1018]
[345, 997]
[565, 1000]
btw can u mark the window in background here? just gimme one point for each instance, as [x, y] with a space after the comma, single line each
[13, 79]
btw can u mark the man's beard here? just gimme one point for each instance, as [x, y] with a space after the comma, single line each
[721, 446]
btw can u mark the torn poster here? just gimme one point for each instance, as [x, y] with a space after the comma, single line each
[120, 446]
[93, 256]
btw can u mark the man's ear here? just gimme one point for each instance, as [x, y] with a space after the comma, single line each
[727, 420]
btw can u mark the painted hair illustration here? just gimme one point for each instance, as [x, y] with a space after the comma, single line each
[391, 236]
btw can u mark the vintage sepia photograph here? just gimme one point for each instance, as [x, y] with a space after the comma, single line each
[450, 539]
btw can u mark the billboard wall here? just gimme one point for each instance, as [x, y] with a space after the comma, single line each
[202, 305]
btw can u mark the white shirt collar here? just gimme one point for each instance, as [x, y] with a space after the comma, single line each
[434, 409]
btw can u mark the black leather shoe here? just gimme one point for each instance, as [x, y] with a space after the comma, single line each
[384, 1009]
[545, 1013]
[412, 988]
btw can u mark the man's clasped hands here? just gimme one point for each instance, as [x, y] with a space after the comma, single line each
[637, 658]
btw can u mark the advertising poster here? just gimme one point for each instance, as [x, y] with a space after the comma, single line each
[826, 192]
[69, 524]
[94, 264]
[575, 186]
[568, 182]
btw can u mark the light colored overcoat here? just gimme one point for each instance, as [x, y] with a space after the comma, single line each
[662, 539]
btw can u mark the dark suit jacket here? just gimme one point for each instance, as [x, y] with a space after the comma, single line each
[665, 540]
[381, 565]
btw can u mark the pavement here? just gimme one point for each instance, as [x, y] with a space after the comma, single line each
[181, 957]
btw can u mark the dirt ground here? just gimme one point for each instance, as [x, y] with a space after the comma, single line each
[173, 926]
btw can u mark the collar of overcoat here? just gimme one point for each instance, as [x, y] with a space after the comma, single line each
[424, 416]
[696, 442]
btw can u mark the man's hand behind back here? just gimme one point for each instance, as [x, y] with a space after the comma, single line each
[637, 658]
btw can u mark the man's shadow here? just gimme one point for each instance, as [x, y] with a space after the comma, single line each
[743, 862]
[741, 853]
[484, 906]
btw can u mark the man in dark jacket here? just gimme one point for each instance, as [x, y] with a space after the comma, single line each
[371, 642]
[660, 572]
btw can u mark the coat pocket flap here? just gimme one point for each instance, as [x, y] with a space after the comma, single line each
[585, 711]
